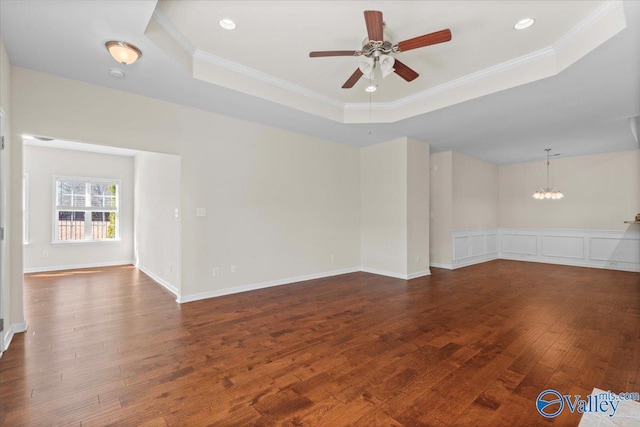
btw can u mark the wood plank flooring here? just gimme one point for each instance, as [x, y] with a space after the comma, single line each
[469, 347]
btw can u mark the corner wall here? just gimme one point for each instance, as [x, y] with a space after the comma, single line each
[394, 208]
[157, 189]
[465, 210]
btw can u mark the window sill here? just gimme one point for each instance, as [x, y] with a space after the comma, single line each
[85, 242]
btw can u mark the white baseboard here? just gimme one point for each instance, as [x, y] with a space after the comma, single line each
[396, 275]
[262, 285]
[14, 328]
[168, 286]
[440, 265]
[384, 273]
[77, 266]
[418, 274]
[474, 260]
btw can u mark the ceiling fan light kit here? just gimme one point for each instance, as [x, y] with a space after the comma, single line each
[378, 50]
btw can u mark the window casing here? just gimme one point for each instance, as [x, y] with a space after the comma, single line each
[86, 210]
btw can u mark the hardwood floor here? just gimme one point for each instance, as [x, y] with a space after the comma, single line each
[473, 346]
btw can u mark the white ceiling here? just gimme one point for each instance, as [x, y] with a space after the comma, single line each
[581, 109]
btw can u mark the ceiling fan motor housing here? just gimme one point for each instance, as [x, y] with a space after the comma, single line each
[377, 48]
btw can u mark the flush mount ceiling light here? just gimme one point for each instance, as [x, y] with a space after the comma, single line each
[123, 52]
[524, 23]
[548, 192]
[227, 24]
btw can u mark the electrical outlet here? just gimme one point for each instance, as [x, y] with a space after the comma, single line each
[233, 269]
[171, 267]
[45, 254]
[333, 257]
[216, 272]
[417, 259]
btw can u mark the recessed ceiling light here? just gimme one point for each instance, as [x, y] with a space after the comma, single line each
[371, 88]
[524, 23]
[227, 24]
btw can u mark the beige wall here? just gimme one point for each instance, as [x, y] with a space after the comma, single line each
[601, 192]
[394, 208]
[11, 293]
[441, 206]
[279, 204]
[417, 206]
[383, 207]
[157, 183]
[475, 193]
[42, 164]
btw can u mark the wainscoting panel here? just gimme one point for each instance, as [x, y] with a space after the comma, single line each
[615, 250]
[519, 243]
[474, 246]
[563, 246]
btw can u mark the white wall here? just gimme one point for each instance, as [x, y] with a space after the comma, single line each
[157, 189]
[279, 204]
[42, 164]
[601, 192]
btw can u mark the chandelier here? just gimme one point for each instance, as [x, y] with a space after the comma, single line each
[548, 192]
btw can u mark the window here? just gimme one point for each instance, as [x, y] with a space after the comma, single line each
[86, 209]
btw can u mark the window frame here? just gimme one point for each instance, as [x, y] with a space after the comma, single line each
[88, 210]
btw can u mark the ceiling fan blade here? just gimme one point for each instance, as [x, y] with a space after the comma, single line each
[373, 19]
[353, 79]
[405, 72]
[425, 40]
[332, 53]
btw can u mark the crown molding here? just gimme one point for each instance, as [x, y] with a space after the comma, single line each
[264, 77]
[173, 31]
[582, 26]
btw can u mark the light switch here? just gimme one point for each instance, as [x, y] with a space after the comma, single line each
[201, 211]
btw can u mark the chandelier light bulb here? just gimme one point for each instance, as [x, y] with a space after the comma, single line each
[548, 192]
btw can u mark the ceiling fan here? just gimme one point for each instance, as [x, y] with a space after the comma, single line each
[378, 47]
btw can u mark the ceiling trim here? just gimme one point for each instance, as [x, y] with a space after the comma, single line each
[461, 81]
[173, 31]
[582, 26]
[264, 77]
